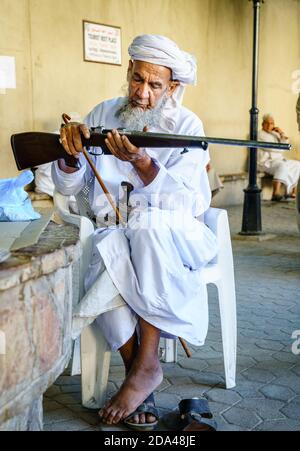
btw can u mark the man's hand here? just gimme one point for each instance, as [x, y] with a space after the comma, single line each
[121, 148]
[70, 137]
[281, 132]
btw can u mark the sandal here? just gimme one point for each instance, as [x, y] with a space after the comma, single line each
[146, 407]
[277, 198]
[195, 415]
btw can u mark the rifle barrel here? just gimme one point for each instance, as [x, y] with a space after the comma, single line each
[156, 140]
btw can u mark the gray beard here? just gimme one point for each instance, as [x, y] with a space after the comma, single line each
[135, 118]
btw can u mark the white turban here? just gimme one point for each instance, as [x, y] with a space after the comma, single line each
[160, 50]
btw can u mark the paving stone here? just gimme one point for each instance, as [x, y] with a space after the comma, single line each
[286, 357]
[258, 375]
[74, 425]
[290, 380]
[49, 405]
[217, 407]
[292, 410]
[277, 392]
[270, 345]
[224, 396]
[192, 363]
[187, 390]
[70, 388]
[68, 380]
[267, 409]
[166, 400]
[225, 427]
[248, 389]
[296, 370]
[69, 398]
[253, 333]
[241, 417]
[90, 416]
[52, 391]
[164, 384]
[207, 378]
[174, 370]
[180, 380]
[58, 415]
[274, 366]
[279, 425]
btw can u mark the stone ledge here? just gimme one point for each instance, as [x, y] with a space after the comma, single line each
[233, 177]
[38, 196]
[15, 407]
[37, 290]
[57, 247]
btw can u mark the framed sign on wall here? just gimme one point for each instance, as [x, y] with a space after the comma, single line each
[101, 43]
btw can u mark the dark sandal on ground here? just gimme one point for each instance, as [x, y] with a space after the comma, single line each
[277, 198]
[147, 407]
[195, 415]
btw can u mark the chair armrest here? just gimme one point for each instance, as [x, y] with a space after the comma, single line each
[62, 206]
[212, 218]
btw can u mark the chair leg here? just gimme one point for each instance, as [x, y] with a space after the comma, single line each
[95, 360]
[227, 305]
[170, 350]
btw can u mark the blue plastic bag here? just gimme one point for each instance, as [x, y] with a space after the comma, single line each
[15, 205]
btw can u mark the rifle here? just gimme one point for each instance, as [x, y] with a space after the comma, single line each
[35, 148]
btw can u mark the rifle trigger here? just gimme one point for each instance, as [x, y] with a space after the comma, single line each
[204, 145]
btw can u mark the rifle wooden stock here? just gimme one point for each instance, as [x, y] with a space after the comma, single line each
[35, 148]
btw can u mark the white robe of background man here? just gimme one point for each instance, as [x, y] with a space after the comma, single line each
[157, 268]
[272, 161]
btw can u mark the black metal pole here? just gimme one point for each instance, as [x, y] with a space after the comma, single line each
[252, 206]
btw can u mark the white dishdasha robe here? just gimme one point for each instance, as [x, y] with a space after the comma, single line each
[155, 262]
[273, 162]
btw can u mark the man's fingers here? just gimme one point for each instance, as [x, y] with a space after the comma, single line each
[76, 138]
[128, 146]
[110, 147]
[85, 131]
[146, 129]
[69, 135]
[117, 138]
[64, 141]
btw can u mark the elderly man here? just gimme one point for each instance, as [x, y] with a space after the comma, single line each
[286, 172]
[154, 261]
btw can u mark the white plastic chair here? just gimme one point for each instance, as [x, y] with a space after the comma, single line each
[219, 272]
[95, 353]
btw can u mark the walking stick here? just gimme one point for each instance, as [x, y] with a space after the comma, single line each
[66, 119]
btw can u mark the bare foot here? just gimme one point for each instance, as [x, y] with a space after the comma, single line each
[142, 380]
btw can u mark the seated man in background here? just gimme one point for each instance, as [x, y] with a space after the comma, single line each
[286, 172]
